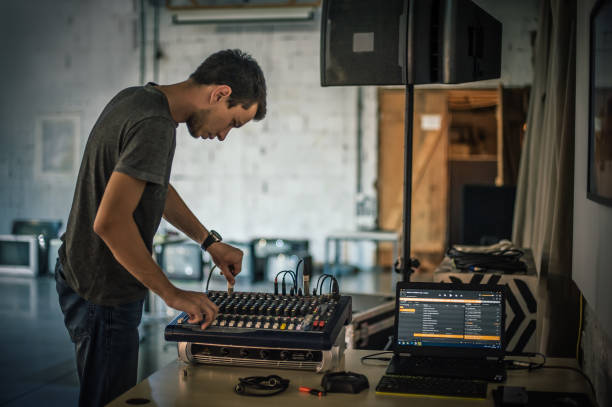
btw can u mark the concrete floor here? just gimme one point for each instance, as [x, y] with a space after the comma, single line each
[37, 364]
[36, 357]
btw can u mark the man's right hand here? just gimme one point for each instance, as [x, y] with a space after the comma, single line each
[196, 305]
[228, 259]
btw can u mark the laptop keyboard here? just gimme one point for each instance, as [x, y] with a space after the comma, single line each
[448, 367]
[432, 386]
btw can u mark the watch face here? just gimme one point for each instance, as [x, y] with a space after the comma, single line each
[216, 235]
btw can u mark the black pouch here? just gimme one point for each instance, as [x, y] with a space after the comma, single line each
[344, 382]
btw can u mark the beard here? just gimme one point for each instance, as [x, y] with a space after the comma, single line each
[195, 123]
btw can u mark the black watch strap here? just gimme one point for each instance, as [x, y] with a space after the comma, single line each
[213, 237]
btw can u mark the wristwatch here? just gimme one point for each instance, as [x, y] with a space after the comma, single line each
[213, 237]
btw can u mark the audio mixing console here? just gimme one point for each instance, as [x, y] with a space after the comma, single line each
[262, 329]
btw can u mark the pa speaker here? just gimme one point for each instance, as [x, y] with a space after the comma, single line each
[396, 42]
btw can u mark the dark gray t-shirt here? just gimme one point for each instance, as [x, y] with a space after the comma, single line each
[134, 135]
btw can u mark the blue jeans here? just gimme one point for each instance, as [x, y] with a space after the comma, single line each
[105, 343]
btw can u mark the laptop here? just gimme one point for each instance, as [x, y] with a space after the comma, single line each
[449, 330]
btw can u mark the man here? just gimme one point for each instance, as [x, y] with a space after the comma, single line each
[105, 265]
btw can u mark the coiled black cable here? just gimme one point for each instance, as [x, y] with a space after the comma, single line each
[261, 386]
[505, 261]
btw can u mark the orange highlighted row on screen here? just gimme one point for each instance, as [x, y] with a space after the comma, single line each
[452, 300]
[473, 337]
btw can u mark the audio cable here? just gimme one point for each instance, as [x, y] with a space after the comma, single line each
[504, 260]
[334, 287]
[512, 364]
[305, 278]
[317, 289]
[261, 386]
[209, 275]
[284, 272]
[290, 272]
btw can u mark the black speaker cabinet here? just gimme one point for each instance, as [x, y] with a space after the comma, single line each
[395, 42]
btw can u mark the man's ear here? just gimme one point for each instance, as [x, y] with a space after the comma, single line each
[220, 93]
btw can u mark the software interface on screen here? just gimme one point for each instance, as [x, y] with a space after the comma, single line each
[450, 318]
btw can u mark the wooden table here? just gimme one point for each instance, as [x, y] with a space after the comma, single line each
[180, 384]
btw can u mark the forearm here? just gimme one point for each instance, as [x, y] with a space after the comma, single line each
[180, 216]
[124, 241]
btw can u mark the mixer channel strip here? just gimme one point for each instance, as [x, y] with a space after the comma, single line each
[262, 319]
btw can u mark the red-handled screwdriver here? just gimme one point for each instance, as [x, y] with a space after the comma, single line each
[315, 392]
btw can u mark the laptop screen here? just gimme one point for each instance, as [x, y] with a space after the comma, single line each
[449, 317]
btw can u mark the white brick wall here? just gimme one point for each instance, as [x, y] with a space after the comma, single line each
[293, 174]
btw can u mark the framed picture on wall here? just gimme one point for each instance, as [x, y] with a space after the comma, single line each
[56, 147]
[599, 183]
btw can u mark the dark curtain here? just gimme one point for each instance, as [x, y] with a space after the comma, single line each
[544, 202]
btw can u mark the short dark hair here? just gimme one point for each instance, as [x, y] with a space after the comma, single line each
[239, 71]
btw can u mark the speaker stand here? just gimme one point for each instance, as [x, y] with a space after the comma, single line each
[402, 266]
